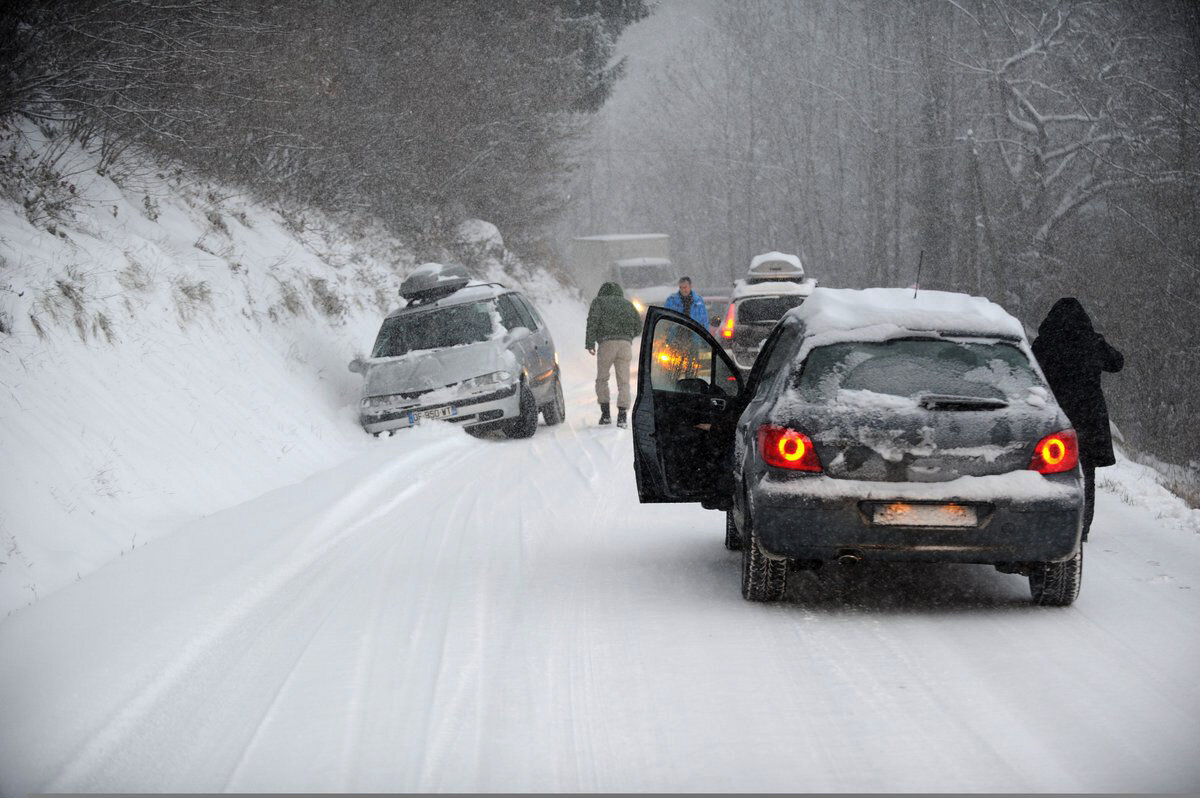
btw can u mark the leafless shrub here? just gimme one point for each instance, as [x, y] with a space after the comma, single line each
[151, 206]
[290, 301]
[101, 324]
[326, 299]
[135, 277]
[217, 221]
[64, 301]
[190, 296]
[37, 326]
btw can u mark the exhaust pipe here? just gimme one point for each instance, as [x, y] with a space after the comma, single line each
[849, 557]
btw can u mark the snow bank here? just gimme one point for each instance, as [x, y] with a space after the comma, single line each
[172, 348]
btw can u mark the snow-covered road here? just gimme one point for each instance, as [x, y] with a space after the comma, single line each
[452, 614]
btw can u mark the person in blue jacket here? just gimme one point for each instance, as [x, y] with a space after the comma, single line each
[688, 302]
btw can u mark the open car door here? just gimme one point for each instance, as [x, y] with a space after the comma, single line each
[689, 397]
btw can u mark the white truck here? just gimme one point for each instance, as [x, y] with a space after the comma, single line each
[638, 262]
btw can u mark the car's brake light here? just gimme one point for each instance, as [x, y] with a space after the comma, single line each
[727, 327]
[787, 448]
[1056, 453]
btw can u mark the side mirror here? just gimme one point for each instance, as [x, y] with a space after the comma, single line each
[357, 365]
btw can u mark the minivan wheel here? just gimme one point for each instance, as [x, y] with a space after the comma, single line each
[524, 425]
[1056, 584]
[733, 538]
[556, 411]
[763, 579]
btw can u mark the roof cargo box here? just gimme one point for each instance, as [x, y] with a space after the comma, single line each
[775, 266]
[431, 281]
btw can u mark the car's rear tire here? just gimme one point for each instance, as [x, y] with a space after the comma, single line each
[525, 424]
[556, 411]
[733, 538]
[1056, 584]
[763, 579]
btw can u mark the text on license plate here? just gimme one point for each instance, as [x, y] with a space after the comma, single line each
[437, 412]
[905, 514]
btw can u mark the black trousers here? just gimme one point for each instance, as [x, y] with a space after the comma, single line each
[1089, 498]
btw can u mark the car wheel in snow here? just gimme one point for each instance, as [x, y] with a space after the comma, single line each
[556, 411]
[526, 423]
[733, 538]
[763, 579]
[1056, 584]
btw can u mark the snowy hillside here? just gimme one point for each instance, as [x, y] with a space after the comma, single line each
[170, 348]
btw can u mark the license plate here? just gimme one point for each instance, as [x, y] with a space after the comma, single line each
[437, 412]
[905, 514]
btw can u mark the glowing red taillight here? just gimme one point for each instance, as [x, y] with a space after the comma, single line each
[727, 326]
[1056, 453]
[787, 448]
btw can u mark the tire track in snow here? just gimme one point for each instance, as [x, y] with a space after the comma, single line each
[135, 714]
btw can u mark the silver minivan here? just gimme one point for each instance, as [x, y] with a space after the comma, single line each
[471, 353]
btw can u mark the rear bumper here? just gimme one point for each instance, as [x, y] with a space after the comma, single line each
[822, 519]
[469, 411]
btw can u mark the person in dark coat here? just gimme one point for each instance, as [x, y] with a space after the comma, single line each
[612, 324]
[1072, 355]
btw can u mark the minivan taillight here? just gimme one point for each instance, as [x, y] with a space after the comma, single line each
[727, 326]
[1056, 453]
[786, 448]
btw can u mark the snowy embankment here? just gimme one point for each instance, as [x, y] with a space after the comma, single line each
[170, 348]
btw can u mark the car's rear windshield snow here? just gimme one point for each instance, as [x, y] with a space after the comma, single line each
[917, 367]
[454, 325]
[767, 309]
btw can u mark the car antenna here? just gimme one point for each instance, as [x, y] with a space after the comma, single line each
[917, 284]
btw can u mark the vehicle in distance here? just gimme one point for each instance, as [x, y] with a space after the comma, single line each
[873, 426]
[638, 262]
[774, 284]
[471, 353]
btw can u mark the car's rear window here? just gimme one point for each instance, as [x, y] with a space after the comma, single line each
[766, 309]
[454, 325]
[916, 367]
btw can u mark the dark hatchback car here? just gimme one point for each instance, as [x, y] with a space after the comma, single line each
[872, 426]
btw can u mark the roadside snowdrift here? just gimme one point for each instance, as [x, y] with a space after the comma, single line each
[171, 348]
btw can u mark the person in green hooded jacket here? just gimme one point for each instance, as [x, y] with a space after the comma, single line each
[612, 324]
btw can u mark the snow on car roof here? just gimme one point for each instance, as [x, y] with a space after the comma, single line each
[772, 288]
[881, 313]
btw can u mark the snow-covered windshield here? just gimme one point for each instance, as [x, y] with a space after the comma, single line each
[454, 325]
[915, 367]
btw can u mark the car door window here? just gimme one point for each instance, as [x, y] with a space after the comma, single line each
[527, 317]
[530, 311]
[510, 315]
[683, 363]
[782, 350]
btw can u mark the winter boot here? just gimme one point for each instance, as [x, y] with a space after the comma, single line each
[605, 418]
[622, 421]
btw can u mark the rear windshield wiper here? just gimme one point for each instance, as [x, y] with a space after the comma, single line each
[934, 401]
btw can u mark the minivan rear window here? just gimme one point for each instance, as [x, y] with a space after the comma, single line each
[767, 309]
[914, 367]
